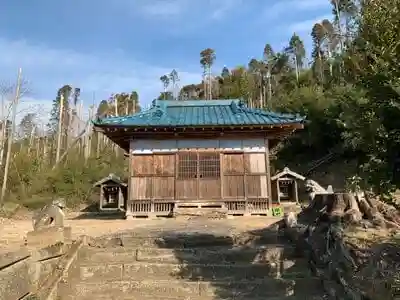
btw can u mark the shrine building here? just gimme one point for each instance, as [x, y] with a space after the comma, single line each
[199, 154]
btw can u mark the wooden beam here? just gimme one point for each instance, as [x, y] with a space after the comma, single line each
[221, 172]
[268, 171]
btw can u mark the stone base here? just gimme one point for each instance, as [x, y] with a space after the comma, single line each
[48, 236]
[148, 216]
[211, 213]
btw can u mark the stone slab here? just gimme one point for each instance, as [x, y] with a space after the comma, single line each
[184, 289]
[194, 255]
[122, 296]
[9, 258]
[15, 281]
[200, 272]
[48, 236]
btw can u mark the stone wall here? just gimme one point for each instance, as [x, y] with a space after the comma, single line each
[33, 271]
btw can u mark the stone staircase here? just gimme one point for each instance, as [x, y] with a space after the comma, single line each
[194, 265]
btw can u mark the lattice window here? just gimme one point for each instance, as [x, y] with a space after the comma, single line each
[187, 165]
[209, 165]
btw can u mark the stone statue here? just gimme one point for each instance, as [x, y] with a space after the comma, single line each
[49, 214]
[290, 219]
[313, 188]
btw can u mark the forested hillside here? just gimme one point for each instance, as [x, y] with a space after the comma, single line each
[347, 85]
[349, 89]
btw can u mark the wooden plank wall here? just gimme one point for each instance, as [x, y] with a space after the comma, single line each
[176, 176]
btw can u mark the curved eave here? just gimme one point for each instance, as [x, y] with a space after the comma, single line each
[147, 128]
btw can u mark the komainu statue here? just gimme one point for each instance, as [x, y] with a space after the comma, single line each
[50, 214]
[290, 219]
[313, 188]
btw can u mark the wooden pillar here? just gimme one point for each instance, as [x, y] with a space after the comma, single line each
[101, 198]
[198, 174]
[119, 197]
[128, 211]
[278, 191]
[268, 169]
[296, 192]
[245, 189]
[221, 173]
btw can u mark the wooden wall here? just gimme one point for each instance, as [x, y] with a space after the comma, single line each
[199, 170]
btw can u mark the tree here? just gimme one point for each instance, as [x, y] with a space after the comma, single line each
[269, 60]
[256, 68]
[166, 96]
[207, 59]
[317, 35]
[297, 53]
[165, 81]
[225, 72]
[174, 78]
[66, 91]
[350, 96]
[344, 11]
[27, 126]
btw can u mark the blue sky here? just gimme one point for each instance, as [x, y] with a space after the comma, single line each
[122, 45]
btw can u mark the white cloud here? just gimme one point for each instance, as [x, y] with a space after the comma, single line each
[306, 26]
[282, 7]
[101, 74]
[162, 8]
[209, 9]
[222, 7]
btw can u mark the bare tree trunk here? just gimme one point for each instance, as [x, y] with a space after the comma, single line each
[37, 147]
[209, 84]
[320, 65]
[98, 144]
[116, 105]
[339, 25]
[3, 131]
[269, 89]
[205, 84]
[88, 136]
[31, 139]
[261, 91]
[45, 149]
[10, 138]
[74, 142]
[60, 131]
[297, 69]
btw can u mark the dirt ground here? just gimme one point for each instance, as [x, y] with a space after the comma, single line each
[13, 231]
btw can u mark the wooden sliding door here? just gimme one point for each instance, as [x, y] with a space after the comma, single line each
[198, 175]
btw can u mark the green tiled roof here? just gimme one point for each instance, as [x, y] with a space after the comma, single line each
[172, 113]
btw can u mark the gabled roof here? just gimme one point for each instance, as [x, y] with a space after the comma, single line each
[173, 113]
[110, 177]
[286, 171]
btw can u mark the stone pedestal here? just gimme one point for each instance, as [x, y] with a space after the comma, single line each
[48, 236]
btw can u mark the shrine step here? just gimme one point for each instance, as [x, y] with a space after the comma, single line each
[123, 296]
[198, 272]
[187, 240]
[209, 255]
[202, 290]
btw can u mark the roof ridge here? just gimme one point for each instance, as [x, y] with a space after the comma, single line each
[267, 113]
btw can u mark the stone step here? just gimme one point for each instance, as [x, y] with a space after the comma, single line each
[206, 272]
[221, 254]
[202, 290]
[182, 240]
[123, 296]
